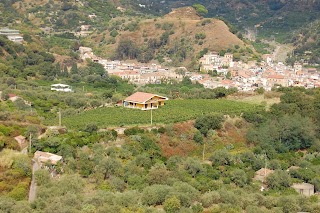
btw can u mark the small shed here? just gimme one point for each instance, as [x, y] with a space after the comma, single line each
[306, 189]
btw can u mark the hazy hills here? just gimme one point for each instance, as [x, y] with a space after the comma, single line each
[271, 16]
[115, 20]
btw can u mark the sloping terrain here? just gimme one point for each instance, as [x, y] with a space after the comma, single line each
[181, 32]
[273, 17]
[307, 43]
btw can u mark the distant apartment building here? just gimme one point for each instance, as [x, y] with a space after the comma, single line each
[213, 61]
[297, 67]
[12, 35]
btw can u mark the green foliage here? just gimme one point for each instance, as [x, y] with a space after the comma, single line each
[173, 111]
[19, 192]
[127, 50]
[42, 177]
[172, 204]
[114, 33]
[22, 163]
[192, 166]
[260, 90]
[255, 117]
[239, 177]
[167, 26]
[205, 123]
[285, 133]
[210, 198]
[155, 194]
[305, 174]
[221, 157]
[205, 22]
[200, 9]
[279, 180]
[133, 131]
[158, 174]
[200, 36]
[197, 208]
[197, 137]
[91, 128]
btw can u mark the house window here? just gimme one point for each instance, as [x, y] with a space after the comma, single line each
[301, 191]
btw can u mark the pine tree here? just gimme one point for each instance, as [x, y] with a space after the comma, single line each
[74, 68]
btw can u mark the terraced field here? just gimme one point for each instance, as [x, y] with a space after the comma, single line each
[174, 111]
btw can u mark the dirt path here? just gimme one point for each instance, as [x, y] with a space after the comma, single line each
[280, 54]
[33, 186]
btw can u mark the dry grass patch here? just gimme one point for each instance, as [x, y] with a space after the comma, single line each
[7, 157]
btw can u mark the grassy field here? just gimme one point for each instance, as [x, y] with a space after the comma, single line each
[174, 111]
[256, 99]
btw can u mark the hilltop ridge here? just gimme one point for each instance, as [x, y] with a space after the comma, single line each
[179, 35]
[183, 13]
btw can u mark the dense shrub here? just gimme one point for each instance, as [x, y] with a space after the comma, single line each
[207, 122]
[133, 131]
[155, 194]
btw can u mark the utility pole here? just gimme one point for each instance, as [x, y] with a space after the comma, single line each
[30, 142]
[203, 150]
[151, 116]
[265, 166]
[59, 114]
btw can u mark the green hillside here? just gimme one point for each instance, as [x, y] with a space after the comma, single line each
[306, 41]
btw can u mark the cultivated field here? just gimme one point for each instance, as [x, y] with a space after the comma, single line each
[174, 111]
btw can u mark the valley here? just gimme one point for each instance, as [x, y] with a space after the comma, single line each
[159, 106]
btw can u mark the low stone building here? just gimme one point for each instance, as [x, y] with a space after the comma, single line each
[306, 189]
[44, 157]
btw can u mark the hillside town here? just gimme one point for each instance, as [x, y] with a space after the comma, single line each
[215, 71]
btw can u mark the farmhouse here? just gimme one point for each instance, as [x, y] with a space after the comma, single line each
[144, 101]
[306, 189]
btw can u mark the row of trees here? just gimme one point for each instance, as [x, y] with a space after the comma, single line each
[187, 89]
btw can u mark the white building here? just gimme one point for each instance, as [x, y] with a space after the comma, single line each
[61, 88]
[12, 35]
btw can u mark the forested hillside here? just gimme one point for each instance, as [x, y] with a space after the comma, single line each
[272, 16]
[180, 40]
[306, 41]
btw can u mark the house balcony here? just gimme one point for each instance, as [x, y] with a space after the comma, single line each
[149, 108]
[142, 108]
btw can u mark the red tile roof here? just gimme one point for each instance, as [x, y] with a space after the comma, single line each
[226, 81]
[141, 97]
[276, 76]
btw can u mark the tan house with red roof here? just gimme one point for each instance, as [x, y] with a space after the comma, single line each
[277, 80]
[144, 101]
